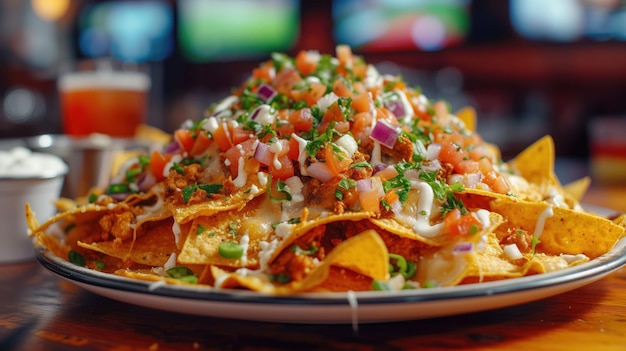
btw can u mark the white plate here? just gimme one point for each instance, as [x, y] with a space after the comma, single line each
[353, 307]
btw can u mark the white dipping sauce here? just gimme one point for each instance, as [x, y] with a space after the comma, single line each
[20, 162]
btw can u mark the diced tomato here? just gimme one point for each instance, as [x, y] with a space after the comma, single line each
[441, 109]
[305, 64]
[391, 196]
[456, 224]
[340, 88]
[285, 80]
[451, 153]
[239, 135]
[500, 185]
[265, 72]
[333, 113]
[485, 166]
[359, 68]
[294, 149]
[157, 164]
[302, 119]
[383, 113]
[466, 167]
[336, 163]
[185, 138]
[201, 143]
[310, 93]
[221, 137]
[361, 102]
[284, 129]
[344, 54]
[449, 137]
[244, 151]
[361, 121]
[286, 169]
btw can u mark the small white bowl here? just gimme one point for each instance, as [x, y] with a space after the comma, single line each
[39, 185]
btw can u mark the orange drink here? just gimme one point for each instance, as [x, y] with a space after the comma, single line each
[108, 102]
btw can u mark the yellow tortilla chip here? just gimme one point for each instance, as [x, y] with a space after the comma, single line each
[468, 115]
[565, 231]
[153, 248]
[364, 253]
[536, 162]
[236, 201]
[577, 189]
[245, 227]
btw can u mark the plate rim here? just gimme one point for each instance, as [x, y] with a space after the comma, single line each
[591, 271]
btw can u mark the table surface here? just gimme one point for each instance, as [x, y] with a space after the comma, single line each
[39, 311]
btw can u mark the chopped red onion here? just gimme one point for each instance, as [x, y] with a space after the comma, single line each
[266, 92]
[385, 133]
[463, 247]
[119, 196]
[396, 107]
[146, 181]
[172, 147]
[320, 171]
[364, 185]
[379, 167]
[263, 154]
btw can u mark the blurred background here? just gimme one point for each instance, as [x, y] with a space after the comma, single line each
[529, 67]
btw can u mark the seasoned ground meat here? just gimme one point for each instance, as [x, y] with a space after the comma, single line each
[119, 223]
[402, 150]
[519, 237]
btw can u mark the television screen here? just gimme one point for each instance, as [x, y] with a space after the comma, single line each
[569, 20]
[216, 30]
[398, 25]
[136, 31]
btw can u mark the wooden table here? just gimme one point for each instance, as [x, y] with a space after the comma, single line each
[41, 312]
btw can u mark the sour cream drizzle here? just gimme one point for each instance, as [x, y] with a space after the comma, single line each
[541, 221]
[421, 222]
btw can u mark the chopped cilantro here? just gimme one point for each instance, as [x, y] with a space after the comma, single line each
[178, 168]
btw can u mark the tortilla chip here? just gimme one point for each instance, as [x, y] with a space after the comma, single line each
[250, 282]
[364, 253]
[536, 162]
[468, 115]
[210, 207]
[153, 248]
[565, 232]
[253, 222]
[577, 189]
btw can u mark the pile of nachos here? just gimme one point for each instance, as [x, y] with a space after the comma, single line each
[318, 174]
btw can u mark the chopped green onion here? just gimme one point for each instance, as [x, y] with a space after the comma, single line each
[230, 249]
[119, 188]
[76, 258]
[380, 285]
[100, 265]
[182, 273]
